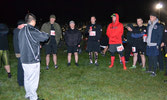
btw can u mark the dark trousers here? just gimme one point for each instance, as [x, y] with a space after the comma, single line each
[128, 50]
[160, 59]
[20, 73]
[166, 64]
[152, 63]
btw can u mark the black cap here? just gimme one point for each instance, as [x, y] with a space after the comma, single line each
[129, 25]
[154, 14]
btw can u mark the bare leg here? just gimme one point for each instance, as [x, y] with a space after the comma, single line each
[143, 60]
[105, 50]
[69, 57]
[55, 59]
[7, 67]
[135, 59]
[47, 59]
[76, 57]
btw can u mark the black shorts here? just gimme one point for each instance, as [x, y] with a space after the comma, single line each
[113, 48]
[51, 48]
[71, 49]
[139, 48]
[93, 46]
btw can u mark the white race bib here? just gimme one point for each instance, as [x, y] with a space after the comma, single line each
[133, 49]
[52, 32]
[120, 48]
[92, 33]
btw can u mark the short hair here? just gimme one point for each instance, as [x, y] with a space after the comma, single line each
[93, 16]
[29, 17]
[140, 18]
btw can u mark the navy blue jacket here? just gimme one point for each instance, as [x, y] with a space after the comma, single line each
[157, 33]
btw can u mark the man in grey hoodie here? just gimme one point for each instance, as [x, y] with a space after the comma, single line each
[154, 39]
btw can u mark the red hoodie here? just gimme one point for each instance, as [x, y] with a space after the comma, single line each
[115, 31]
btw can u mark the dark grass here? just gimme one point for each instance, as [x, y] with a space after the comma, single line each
[86, 82]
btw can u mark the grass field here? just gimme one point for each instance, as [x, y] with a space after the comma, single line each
[86, 82]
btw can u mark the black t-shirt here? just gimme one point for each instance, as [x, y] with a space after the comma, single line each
[96, 32]
[52, 38]
[3, 42]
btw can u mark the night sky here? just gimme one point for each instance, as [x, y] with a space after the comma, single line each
[78, 10]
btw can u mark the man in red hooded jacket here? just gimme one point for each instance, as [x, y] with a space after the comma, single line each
[114, 33]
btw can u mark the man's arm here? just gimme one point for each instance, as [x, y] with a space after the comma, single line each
[161, 31]
[39, 36]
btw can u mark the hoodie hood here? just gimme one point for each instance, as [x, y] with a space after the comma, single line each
[117, 18]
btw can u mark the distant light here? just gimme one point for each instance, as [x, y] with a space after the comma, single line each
[159, 6]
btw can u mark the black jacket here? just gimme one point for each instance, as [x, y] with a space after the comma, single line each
[96, 28]
[29, 39]
[73, 37]
[129, 38]
[15, 40]
[3, 42]
[3, 37]
[164, 39]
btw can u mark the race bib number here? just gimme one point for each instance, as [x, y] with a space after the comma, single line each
[120, 48]
[52, 32]
[92, 33]
[133, 49]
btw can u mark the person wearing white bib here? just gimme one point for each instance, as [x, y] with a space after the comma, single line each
[54, 30]
[93, 33]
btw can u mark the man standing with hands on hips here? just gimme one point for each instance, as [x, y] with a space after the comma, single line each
[54, 30]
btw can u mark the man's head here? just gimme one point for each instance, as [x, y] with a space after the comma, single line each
[153, 17]
[72, 24]
[30, 19]
[93, 20]
[52, 19]
[129, 27]
[114, 17]
[139, 21]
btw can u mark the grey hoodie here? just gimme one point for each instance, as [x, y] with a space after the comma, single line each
[150, 33]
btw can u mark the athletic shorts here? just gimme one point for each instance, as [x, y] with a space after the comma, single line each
[116, 48]
[4, 57]
[141, 49]
[51, 47]
[71, 49]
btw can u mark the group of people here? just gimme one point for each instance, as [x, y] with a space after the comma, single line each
[28, 40]
[149, 41]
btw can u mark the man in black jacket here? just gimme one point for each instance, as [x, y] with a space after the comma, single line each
[164, 44]
[72, 39]
[20, 72]
[29, 45]
[4, 48]
[129, 43]
[139, 46]
[93, 32]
